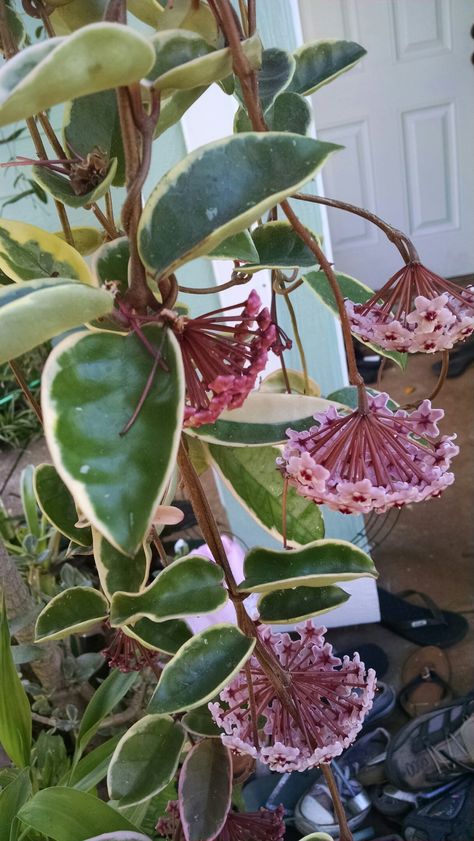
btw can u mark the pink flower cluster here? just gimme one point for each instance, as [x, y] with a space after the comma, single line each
[374, 461]
[416, 311]
[223, 353]
[263, 825]
[330, 698]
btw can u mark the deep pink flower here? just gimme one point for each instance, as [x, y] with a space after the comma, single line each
[263, 825]
[416, 311]
[331, 697]
[223, 353]
[356, 463]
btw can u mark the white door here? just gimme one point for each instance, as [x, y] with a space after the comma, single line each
[406, 118]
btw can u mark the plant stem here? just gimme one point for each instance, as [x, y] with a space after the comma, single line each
[345, 834]
[18, 374]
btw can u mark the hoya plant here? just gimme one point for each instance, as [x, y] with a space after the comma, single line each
[141, 392]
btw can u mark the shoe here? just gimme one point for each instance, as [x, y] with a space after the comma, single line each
[423, 625]
[365, 759]
[448, 817]
[425, 678]
[459, 360]
[315, 813]
[433, 749]
[385, 699]
[392, 801]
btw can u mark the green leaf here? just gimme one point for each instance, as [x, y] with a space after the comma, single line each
[91, 123]
[15, 716]
[15, 26]
[205, 788]
[84, 63]
[86, 240]
[320, 62]
[251, 475]
[35, 311]
[175, 106]
[75, 609]
[229, 184]
[237, 247]
[116, 571]
[275, 383]
[92, 384]
[186, 14]
[279, 246]
[285, 606]
[28, 253]
[110, 263]
[355, 291]
[167, 636]
[12, 798]
[318, 564]
[70, 16]
[189, 586]
[201, 668]
[105, 698]
[149, 11]
[350, 397]
[289, 112]
[145, 759]
[28, 501]
[67, 814]
[274, 75]
[60, 187]
[263, 419]
[92, 768]
[25, 654]
[58, 505]
[200, 722]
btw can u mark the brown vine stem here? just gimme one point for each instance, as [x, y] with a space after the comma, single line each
[345, 833]
[239, 280]
[18, 373]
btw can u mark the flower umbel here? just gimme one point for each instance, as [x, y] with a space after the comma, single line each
[223, 352]
[373, 461]
[331, 697]
[129, 655]
[416, 311]
[263, 825]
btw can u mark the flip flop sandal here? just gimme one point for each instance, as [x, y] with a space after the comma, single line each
[392, 801]
[425, 676]
[427, 625]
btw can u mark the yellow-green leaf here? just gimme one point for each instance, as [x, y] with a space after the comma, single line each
[15, 715]
[28, 252]
[86, 240]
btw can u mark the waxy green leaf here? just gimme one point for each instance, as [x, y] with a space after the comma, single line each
[189, 586]
[188, 15]
[237, 247]
[200, 722]
[167, 636]
[60, 187]
[12, 798]
[15, 715]
[93, 767]
[251, 475]
[58, 506]
[95, 58]
[35, 311]
[92, 385]
[145, 759]
[71, 611]
[263, 419]
[86, 240]
[29, 253]
[205, 788]
[67, 17]
[279, 247]
[67, 814]
[318, 564]
[175, 106]
[149, 11]
[229, 184]
[289, 112]
[91, 123]
[110, 263]
[275, 383]
[285, 606]
[355, 291]
[319, 62]
[103, 701]
[116, 571]
[201, 668]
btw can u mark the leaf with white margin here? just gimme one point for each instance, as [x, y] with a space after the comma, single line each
[173, 108]
[58, 505]
[237, 247]
[148, 11]
[145, 759]
[229, 184]
[117, 571]
[251, 475]
[60, 187]
[201, 668]
[28, 252]
[67, 17]
[37, 310]
[280, 247]
[205, 790]
[283, 607]
[71, 611]
[92, 384]
[318, 564]
[95, 58]
[275, 383]
[86, 239]
[319, 62]
[167, 636]
[263, 419]
[92, 123]
[187, 587]
[277, 68]
[190, 16]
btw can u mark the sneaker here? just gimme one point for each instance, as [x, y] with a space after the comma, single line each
[433, 749]
[315, 812]
[385, 699]
[365, 759]
[447, 817]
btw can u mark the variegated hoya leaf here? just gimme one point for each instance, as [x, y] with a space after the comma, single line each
[86, 240]
[190, 16]
[70, 612]
[92, 385]
[37, 310]
[230, 184]
[319, 62]
[282, 607]
[116, 571]
[205, 788]
[167, 636]
[28, 253]
[91, 123]
[60, 187]
[58, 505]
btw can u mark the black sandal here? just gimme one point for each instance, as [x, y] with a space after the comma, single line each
[422, 625]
